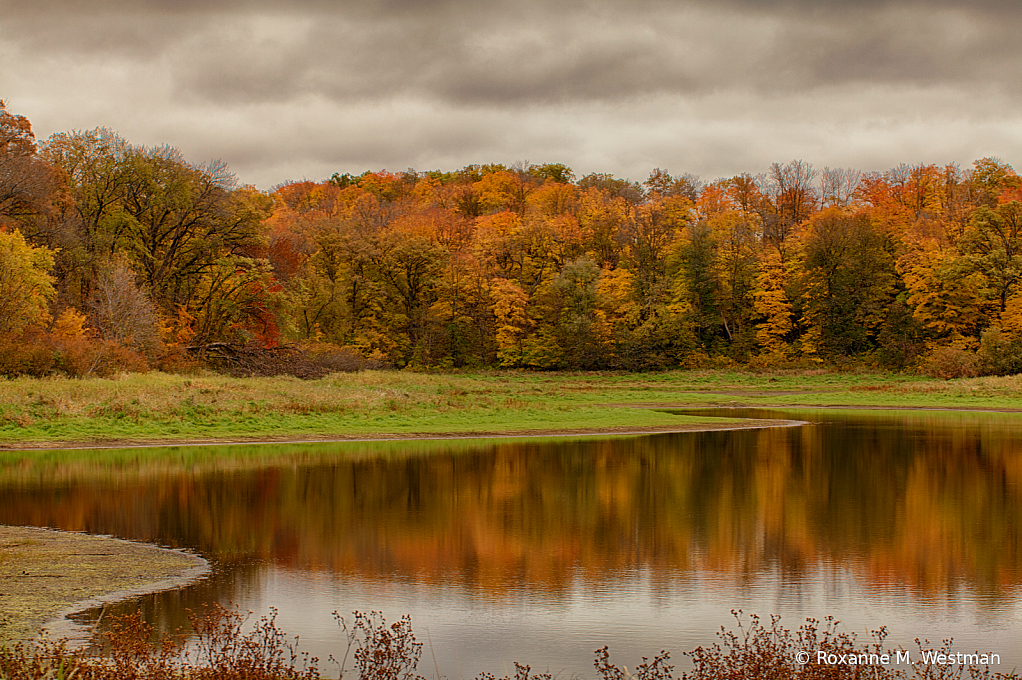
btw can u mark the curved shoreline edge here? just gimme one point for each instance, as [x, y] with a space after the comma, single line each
[255, 439]
[52, 575]
[63, 627]
[624, 431]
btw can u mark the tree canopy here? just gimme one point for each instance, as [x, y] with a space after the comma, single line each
[516, 266]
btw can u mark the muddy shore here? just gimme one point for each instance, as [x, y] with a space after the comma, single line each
[48, 575]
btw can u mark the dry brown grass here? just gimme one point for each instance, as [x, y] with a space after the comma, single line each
[154, 394]
[1006, 387]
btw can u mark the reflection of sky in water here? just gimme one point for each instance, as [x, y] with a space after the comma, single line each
[635, 617]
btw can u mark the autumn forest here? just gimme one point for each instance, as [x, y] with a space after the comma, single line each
[121, 257]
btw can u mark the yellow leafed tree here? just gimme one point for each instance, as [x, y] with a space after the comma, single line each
[25, 284]
[509, 302]
[772, 305]
[946, 300]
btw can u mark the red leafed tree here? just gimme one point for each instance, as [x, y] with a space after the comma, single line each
[27, 183]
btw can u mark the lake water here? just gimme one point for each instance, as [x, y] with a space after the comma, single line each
[542, 551]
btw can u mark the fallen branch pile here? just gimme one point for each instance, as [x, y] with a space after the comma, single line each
[250, 360]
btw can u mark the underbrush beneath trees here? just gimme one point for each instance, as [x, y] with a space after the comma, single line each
[43, 355]
[221, 648]
[55, 354]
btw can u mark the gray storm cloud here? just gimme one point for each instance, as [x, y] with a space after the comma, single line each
[309, 88]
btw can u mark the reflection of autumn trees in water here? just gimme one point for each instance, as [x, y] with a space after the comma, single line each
[930, 506]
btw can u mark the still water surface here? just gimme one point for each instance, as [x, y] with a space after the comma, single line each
[543, 551]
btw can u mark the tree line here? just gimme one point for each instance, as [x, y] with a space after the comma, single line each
[119, 256]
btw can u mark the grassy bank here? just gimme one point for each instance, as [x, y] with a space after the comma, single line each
[173, 408]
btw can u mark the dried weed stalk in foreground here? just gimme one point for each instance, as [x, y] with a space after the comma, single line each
[378, 651]
[219, 650]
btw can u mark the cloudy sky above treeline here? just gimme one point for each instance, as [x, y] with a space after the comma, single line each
[305, 88]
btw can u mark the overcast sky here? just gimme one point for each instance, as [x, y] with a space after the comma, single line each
[303, 89]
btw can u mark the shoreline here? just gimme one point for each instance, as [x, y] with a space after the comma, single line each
[49, 575]
[620, 431]
[63, 627]
[623, 431]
